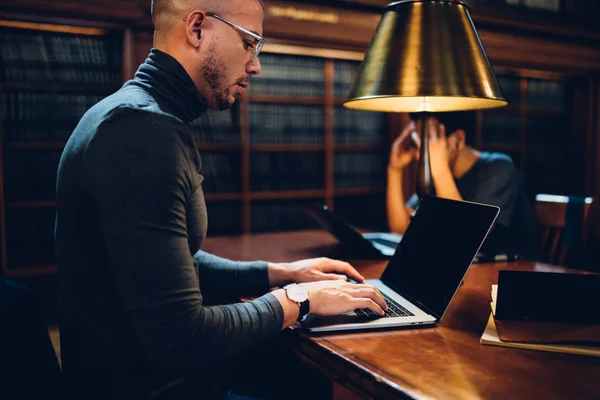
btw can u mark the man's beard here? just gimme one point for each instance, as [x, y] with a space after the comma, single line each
[214, 72]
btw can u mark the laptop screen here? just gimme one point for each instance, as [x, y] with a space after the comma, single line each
[436, 251]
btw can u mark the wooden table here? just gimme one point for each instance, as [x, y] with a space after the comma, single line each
[442, 362]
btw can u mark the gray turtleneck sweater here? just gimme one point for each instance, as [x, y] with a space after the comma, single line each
[131, 219]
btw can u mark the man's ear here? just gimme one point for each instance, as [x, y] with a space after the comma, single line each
[193, 28]
[461, 138]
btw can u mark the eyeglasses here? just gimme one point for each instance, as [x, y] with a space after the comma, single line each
[259, 41]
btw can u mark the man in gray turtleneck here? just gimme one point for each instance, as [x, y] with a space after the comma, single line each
[131, 219]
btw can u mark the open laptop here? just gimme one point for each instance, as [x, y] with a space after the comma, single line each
[368, 245]
[427, 268]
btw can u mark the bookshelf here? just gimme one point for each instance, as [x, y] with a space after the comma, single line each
[51, 74]
[533, 129]
[289, 142]
[324, 46]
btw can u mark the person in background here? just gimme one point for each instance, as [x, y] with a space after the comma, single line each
[462, 173]
[131, 219]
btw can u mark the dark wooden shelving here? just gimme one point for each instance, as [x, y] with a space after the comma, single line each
[501, 147]
[359, 191]
[292, 147]
[218, 146]
[357, 147]
[222, 196]
[545, 112]
[35, 145]
[32, 204]
[30, 271]
[262, 98]
[77, 88]
[287, 194]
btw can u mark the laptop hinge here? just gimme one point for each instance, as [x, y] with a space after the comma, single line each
[414, 301]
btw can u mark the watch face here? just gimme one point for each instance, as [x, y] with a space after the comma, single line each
[297, 293]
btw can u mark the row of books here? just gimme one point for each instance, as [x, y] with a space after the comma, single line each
[224, 218]
[344, 74]
[499, 128]
[285, 75]
[353, 126]
[290, 76]
[31, 116]
[283, 123]
[30, 175]
[540, 93]
[372, 213]
[36, 57]
[359, 170]
[217, 127]
[546, 129]
[286, 171]
[545, 94]
[31, 236]
[511, 89]
[550, 5]
[272, 217]
[221, 172]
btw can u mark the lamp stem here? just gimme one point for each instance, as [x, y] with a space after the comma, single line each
[424, 179]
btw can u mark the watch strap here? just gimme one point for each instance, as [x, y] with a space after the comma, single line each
[304, 309]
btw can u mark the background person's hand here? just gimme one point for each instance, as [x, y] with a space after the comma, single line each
[403, 149]
[338, 297]
[438, 148]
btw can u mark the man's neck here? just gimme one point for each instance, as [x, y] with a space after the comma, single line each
[467, 157]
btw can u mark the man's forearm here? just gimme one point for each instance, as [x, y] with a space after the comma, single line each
[279, 274]
[445, 186]
[397, 214]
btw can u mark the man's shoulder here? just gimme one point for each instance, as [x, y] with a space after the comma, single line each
[497, 163]
[130, 113]
[130, 102]
[495, 158]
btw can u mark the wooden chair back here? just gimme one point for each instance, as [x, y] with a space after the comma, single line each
[550, 213]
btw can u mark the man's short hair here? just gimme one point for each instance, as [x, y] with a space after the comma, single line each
[464, 120]
[158, 6]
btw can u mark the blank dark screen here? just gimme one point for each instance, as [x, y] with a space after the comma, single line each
[436, 251]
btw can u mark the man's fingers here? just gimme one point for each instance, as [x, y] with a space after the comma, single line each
[406, 132]
[367, 291]
[437, 131]
[416, 138]
[332, 277]
[442, 134]
[370, 304]
[342, 267]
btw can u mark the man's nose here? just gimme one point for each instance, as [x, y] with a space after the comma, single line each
[254, 67]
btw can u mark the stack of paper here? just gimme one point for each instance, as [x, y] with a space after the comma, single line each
[490, 337]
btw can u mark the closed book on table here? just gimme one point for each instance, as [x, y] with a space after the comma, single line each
[541, 307]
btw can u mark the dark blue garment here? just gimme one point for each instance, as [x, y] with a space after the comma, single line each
[134, 284]
[494, 179]
[28, 365]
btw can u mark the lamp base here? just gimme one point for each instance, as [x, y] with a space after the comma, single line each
[425, 186]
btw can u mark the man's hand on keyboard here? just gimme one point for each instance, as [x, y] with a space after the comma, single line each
[312, 270]
[337, 297]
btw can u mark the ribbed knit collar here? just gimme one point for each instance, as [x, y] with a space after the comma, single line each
[164, 77]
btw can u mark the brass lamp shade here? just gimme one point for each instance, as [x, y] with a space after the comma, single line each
[425, 56]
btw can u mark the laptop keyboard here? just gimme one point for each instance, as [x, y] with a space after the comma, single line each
[394, 310]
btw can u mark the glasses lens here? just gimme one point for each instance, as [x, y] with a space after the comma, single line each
[258, 49]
